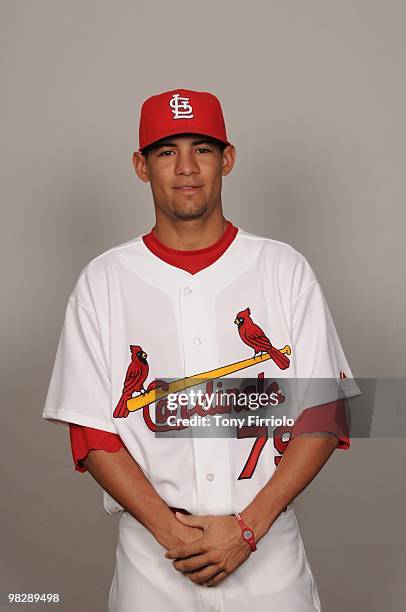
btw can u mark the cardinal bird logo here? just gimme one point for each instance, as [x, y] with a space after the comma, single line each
[252, 334]
[137, 372]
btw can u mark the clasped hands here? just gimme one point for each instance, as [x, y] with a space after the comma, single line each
[212, 557]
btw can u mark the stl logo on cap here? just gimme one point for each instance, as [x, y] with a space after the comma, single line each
[181, 108]
[181, 111]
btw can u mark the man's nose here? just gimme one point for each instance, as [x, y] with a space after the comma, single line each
[186, 163]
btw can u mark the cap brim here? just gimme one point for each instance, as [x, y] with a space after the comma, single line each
[196, 130]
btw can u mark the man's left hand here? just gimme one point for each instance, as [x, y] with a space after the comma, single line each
[214, 556]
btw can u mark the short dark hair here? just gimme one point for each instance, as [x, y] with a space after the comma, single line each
[218, 143]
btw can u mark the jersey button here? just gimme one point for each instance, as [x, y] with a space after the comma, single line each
[197, 340]
[188, 290]
[210, 477]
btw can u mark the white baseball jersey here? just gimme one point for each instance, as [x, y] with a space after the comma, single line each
[134, 317]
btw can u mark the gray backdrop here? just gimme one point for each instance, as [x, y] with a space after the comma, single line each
[313, 95]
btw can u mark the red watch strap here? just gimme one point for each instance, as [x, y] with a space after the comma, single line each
[247, 532]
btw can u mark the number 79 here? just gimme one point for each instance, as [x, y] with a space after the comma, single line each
[281, 439]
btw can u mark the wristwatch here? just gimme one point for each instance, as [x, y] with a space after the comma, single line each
[247, 532]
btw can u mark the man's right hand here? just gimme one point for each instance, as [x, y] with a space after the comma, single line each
[182, 534]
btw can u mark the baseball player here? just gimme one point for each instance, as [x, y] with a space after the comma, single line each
[206, 522]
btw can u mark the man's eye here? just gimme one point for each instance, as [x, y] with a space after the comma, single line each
[200, 149]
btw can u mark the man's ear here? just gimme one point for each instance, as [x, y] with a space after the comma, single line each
[140, 166]
[229, 154]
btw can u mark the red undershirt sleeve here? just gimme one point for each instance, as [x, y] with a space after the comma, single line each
[83, 439]
[329, 417]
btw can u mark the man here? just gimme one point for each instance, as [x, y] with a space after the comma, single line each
[197, 297]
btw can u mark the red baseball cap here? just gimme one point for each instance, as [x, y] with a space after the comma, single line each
[181, 111]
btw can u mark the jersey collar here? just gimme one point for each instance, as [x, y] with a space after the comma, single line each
[193, 260]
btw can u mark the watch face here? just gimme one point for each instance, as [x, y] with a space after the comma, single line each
[248, 533]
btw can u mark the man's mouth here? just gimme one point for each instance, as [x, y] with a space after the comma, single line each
[188, 188]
